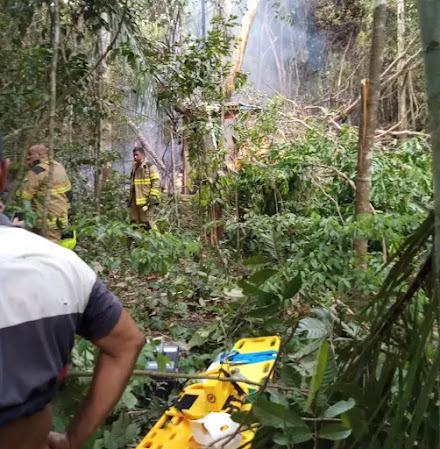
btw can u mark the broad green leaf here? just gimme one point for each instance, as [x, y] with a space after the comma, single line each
[262, 276]
[275, 415]
[290, 376]
[315, 328]
[331, 370]
[199, 338]
[129, 400]
[243, 417]
[292, 287]
[266, 311]
[258, 260]
[162, 361]
[334, 432]
[262, 295]
[293, 435]
[318, 375]
[279, 397]
[355, 418]
[131, 433]
[82, 346]
[339, 408]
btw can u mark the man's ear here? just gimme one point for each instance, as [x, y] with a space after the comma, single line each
[4, 169]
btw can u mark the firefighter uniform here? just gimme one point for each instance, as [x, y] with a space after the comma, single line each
[34, 190]
[145, 191]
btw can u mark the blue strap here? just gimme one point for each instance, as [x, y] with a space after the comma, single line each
[235, 358]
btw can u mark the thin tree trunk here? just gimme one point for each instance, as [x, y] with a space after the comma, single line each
[203, 9]
[401, 82]
[366, 137]
[241, 44]
[52, 108]
[173, 177]
[185, 162]
[429, 13]
[104, 137]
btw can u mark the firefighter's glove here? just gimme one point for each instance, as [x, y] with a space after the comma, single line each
[152, 200]
[145, 208]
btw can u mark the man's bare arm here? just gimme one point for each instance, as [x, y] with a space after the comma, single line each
[118, 353]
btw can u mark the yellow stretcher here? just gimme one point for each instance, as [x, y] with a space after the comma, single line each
[201, 406]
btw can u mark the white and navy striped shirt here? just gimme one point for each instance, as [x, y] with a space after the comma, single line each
[47, 295]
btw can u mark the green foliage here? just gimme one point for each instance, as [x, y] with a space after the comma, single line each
[153, 252]
[196, 70]
[354, 380]
[121, 433]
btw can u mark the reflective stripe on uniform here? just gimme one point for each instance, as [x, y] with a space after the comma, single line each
[142, 182]
[57, 221]
[141, 201]
[60, 190]
[155, 192]
[154, 176]
[26, 195]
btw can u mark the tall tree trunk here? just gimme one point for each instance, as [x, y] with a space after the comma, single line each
[241, 44]
[104, 129]
[185, 162]
[52, 108]
[366, 138]
[402, 80]
[429, 13]
[173, 176]
[203, 10]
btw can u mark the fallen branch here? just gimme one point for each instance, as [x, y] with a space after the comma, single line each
[161, 375]
[399, 57]
[321, 108]
[403, 133]
[146, 146]
[387, 131]
[384, 82]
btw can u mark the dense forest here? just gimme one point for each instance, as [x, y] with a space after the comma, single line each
[299, 182]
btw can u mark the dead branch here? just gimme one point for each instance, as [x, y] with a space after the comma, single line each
[399, 57]
[385, 81]
[146, 146]
[405, 68]
[408, 133]
[321, 108]
[387, 131]
[164, 375]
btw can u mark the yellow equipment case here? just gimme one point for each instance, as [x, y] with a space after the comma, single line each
[202, 411]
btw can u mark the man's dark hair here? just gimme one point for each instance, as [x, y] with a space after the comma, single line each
[139, 150]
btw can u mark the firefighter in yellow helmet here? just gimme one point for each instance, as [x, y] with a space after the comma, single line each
[34, 190]
[144, 191]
